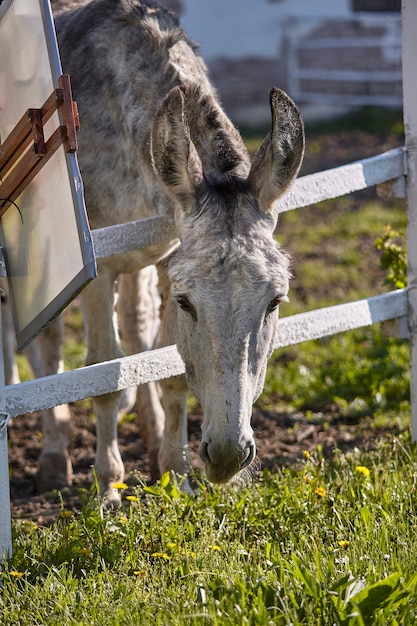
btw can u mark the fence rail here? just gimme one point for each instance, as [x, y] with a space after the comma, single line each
[307, 190]
[98, 379]
[121, 373]
[310, 49]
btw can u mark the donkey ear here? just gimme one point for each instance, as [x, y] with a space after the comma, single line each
[278, 160]
[174, 157]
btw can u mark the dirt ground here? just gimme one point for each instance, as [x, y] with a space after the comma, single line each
[281, 437]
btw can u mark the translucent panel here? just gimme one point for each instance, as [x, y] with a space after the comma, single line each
[47, 242]
[25, 70]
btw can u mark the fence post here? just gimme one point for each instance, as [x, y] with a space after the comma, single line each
[409, 57]
[5, 518]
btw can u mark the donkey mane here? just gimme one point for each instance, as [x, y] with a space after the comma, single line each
[226, 184]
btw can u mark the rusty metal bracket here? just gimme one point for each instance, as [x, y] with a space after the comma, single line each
[25, 151]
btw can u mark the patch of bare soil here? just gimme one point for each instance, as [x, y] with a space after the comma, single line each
[281, 437]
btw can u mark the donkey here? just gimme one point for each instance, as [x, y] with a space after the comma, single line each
[154, 140]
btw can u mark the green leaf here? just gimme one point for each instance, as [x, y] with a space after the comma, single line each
[342, 583]
[153, 490]
[165, 480]
[375, 596]
[304, 576]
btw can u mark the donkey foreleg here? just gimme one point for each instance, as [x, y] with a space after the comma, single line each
[103, 345]
[108, 465]
[55, 469]
[173, 453]
[45, 358]
[138, 310]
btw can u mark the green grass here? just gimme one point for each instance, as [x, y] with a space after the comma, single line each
[333, 542]
[361, 372]
[332, 245]
[335, 260]
[373, 120]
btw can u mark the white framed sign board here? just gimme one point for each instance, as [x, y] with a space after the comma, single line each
[45, 234]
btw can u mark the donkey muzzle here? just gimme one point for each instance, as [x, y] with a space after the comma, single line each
[223, 460]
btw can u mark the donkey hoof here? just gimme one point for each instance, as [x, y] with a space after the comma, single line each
[55, 471]
[154, 470]
[186, 487]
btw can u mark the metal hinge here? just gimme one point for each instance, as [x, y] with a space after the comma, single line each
[4, 420]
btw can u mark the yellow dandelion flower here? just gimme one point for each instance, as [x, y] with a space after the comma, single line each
[216, 548]
[321, 492]
[309, 479]
[15, 574]
[306, 454]
[119, 486]
[361, 469]
[139, 572]
[344, 543]
[131, 498]
[171, 545]
[123, 519]
[160, 555]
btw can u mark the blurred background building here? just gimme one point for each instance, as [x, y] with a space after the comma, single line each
[329, 55]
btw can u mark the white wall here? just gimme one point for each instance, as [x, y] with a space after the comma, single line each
[236, 28]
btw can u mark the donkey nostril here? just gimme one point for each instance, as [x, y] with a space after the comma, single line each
[203, 452]
[215, 455]
[250, 456]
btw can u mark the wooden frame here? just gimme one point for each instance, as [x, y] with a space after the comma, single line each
[25, 151]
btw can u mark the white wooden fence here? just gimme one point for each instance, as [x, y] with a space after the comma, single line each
[398, 168]
[309, 41]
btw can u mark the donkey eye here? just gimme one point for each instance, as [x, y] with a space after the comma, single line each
[185, 305]
[273, 305]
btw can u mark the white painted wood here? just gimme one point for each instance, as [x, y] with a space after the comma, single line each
[409, 14]
[93, 380]
[126, 237]
[133, 235]
[347, 75]
[387, 39]
[5, 520]
[342, 180]
[118, 374]
[343, 42]
[316, 97]
[341, 317]
[5, 517]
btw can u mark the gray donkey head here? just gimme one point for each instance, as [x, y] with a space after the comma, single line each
[229, 275]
